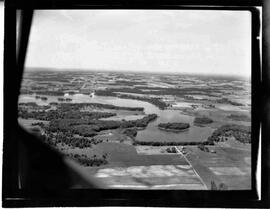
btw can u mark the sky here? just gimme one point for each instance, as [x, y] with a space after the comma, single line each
[162, 41]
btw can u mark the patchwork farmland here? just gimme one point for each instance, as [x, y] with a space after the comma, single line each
[152, 171]
[144, 131]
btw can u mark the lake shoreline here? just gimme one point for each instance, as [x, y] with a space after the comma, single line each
[151, 132]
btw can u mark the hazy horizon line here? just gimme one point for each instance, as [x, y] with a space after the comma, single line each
[49, 69]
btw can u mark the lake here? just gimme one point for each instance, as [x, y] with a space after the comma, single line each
[151, 133]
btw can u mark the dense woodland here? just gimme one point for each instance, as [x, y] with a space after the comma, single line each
[173, 126]
[58, 114]
[68, 111]
[67, 138]
[202, 120]
[68, 120]
[63, 130]
[131, 132]
[88, 128]
[70, 125]
[239, 132]
[89, 161]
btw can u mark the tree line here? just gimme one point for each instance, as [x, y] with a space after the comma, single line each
[87, 161]
[164, 143]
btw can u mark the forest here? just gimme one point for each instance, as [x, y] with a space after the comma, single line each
[173, 126]
[202, 120]
[239, 132]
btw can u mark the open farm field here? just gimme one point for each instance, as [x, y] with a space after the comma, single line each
[153, 150]
[151, 177]
[128, 169]
[228, 165]
[120, 154]
[219, 117]
[113, 136]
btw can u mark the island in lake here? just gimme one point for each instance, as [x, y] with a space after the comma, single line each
[203, 120]
[173, 126]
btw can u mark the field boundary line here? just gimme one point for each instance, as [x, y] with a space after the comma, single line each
[191, 166]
